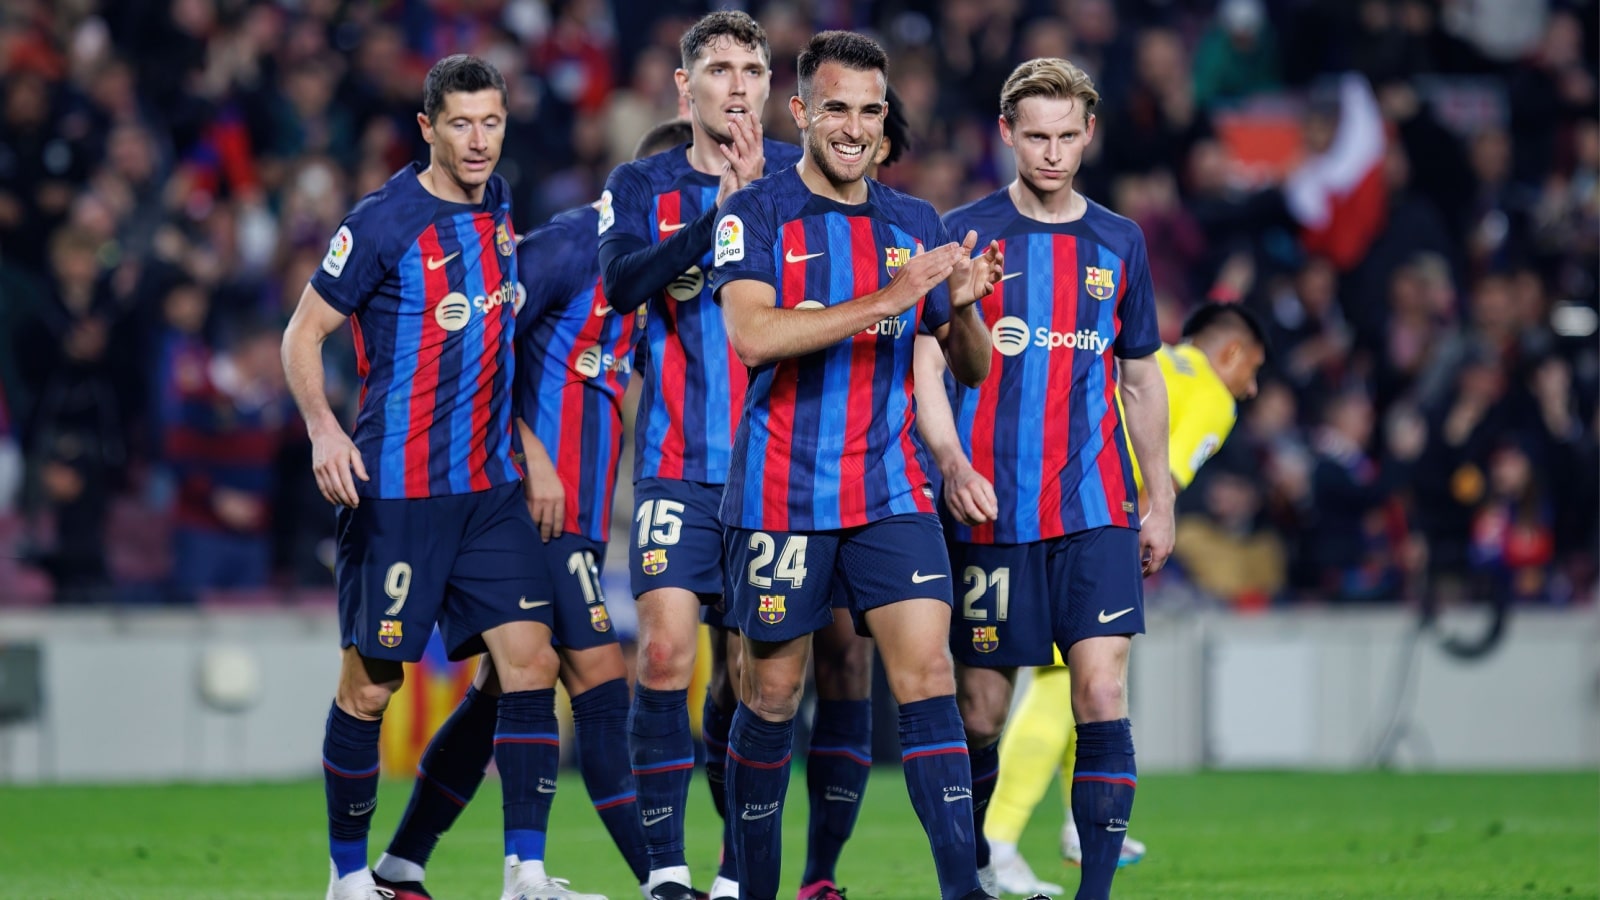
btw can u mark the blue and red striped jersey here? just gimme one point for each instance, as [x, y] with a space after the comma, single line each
[826, 440]
[694, 385]
[574, 359]
[431, 290]
[1045, 426]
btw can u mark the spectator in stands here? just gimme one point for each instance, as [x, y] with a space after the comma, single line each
[1224, 549]
[1237, 57]
[221, 441]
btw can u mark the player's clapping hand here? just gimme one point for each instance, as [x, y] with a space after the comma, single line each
[547, 499]
[337, 464]
[1156, 534]
[926, 271]
[970, 497]
[975, 276]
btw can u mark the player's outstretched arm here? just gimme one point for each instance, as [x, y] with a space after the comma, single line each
[1144, 399]
[763, 333]
[334, 456]
[969, 495]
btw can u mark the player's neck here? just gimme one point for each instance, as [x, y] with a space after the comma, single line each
[1055, 207]
[436, 182]
[704, 157]
[851, 193]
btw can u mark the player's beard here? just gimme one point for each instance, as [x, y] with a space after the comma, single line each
[823, 155]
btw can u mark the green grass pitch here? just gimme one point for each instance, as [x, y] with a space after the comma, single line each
[1210, 835]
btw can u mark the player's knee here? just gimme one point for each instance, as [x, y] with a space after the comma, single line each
[367, 701]
[983, 719]
[775, 698]
[1098, 698]
[665, 665]
[535, 670]
[931, 676]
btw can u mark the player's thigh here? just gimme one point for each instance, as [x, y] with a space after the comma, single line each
[500, 579]
[392, 563]
[780, 583]
[1005, 601]
[842, 658]
[581, 618]
[1102, 579]
[896, 575]
[677, 538]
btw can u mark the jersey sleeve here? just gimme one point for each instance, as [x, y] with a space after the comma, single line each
[936, 309]
[634, 268]
[1139, 335]
[551, 262]
[1198, 427]
[354, 266]
[745, 237]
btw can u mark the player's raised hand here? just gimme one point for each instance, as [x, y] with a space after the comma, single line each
[745, 153]
[926, 271]
[337, 464]
[975, 276]
[1156, 533]
[971, 497]
[547, 499]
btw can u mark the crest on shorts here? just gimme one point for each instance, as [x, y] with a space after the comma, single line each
[390, 633]
[599, 618]
[986, 638]
[771, 610]
[1099, 283]
[654, 562]
[502, 239]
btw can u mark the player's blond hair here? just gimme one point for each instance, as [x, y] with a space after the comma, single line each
[1051, 78]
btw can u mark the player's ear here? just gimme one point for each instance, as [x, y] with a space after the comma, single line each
[681, 76]
[426, 126]
[1005, 131]
[797, 108]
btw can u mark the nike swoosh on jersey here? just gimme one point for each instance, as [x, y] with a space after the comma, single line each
[791, 258]
[436, 264]
[1114, 616]
[919, 578]
[1009, 275]
[600, 309]
[668, 227]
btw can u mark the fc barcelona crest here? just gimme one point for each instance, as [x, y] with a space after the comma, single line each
[1099, 283]
[771, 610]
[986, 638]
[654, 562]
[599, 618]
[502, 239]
[895, 257]
[390, 633]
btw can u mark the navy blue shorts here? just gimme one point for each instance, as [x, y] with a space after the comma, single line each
[468, 562]
[677, 537]
[1016, 599]
[783, 584]
[582, 620]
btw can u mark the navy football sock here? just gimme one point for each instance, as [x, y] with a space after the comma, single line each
[985, 762]
[350, 781]
[933, 754]
[714, 725]
[1102, 800]
[661, 748]
[449, 774]
[527, 751]
[758, 779]
[600, 717]
[837, 767]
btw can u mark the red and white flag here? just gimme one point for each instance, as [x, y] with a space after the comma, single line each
[1339, 196]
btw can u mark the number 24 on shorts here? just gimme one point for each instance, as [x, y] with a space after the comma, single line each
[791, 560]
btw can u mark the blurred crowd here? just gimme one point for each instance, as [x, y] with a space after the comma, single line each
[1407, 191]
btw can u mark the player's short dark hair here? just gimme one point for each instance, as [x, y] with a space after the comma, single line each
[664, 136]
[896, 129]
[1227, 315]
[848, 49]
[459, 74]
[728, 23]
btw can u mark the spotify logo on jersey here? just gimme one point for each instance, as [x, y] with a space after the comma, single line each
[688, 285]
[810, 304]
[453, 312]
[588, 363]
[1010, 335]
